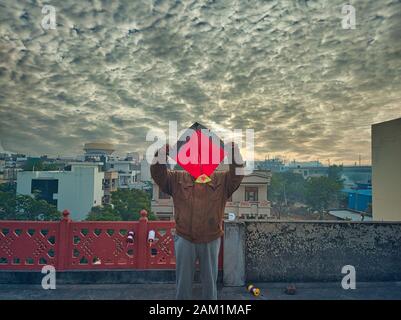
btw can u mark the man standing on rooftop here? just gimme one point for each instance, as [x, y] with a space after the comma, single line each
[199, 213]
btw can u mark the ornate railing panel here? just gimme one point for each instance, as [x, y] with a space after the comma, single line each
[71, 245]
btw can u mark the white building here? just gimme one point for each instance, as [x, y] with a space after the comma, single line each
[77, 190]
[128, 172]
[145, 171]
[386, 170]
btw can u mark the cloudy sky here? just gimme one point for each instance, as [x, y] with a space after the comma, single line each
[112, 70]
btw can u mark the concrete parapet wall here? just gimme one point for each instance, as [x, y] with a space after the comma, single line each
[286, 251]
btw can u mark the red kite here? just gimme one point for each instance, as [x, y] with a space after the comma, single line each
[199, 151]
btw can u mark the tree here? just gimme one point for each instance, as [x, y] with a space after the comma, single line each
[38, 165]
[8, 204]
[33, 164]
[128, 203]
[30, 208]
[286, 187]
[295, 186]
[8, 187]
[125, 205]
[335, 172]
[105, 213]
[321, 192]
[24, 207]
[52, 166]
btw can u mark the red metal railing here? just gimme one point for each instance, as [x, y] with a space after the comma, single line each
[71, 245]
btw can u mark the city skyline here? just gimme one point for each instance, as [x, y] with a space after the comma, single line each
[122, 155]
[110, 72]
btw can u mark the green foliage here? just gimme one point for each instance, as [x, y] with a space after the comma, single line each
[334, 173]
[8, 204]
[29, 208]
[287, 187]
[321, 192]
[128, 203]
[51, 167]
[23, 207]
[8, 187]
[318, 193]
[105, 213]
[125, 205]
[32, 164]
[38, 165]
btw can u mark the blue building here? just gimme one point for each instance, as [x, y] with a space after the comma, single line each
[358, 199]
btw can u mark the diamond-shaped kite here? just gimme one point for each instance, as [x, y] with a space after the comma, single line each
[199, 151]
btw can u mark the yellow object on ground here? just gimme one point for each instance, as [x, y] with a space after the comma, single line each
[255, 291]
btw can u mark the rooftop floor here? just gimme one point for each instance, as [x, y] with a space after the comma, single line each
[269, 291]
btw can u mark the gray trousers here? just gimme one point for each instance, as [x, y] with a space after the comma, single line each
[186, 253]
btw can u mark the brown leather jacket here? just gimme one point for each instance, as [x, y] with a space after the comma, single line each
[199, 207]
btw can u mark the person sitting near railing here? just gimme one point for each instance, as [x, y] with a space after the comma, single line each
[199, 213]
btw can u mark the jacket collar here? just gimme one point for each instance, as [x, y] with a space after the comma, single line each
[188, 180]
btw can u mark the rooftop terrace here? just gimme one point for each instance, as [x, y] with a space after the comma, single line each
[166, 291]
[94, 260]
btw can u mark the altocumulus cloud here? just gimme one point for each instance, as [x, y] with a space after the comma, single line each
[111, 70]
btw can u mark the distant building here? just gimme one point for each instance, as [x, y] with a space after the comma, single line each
[98, 151]
[304, 164]
[359, 199]
[9, 166]
[78, 189]
[110, 182]
[145, 171]
[128, 172]
[351, 175]
[248, 201]
[273, 165]
[2, 167]
[309, 172]
[133, 156]
[356, 175]
[386, 170]
[10, 174]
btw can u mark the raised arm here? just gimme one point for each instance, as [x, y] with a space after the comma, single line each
[235, 174]
[159, 172]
